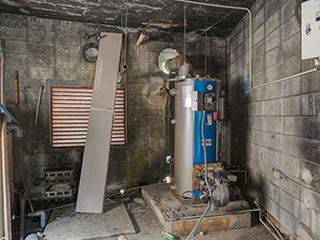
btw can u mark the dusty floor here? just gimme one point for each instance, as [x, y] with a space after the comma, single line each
[68, 225]
[148, 228]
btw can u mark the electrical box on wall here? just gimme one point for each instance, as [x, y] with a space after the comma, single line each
[310, 29]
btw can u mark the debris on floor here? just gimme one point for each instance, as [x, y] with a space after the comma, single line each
[68, 225]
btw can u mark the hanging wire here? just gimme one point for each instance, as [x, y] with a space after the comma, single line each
[217, 22]
[206, 50]
[184, 31]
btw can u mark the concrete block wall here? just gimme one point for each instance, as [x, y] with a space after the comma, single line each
[276, 125]
[47, 51]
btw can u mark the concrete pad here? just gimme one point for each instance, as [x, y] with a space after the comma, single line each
[68, 225]
[179, 220]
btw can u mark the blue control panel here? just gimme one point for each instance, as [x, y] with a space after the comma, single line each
[207, 101]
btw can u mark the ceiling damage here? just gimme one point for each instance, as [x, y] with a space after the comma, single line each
[140, 12]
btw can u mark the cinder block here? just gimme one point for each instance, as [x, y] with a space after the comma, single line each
[13, 46]
[272, 124]
[67, 74]
[272, 91]
[310, 83]
[273, 39]
[41, 73]
[13, 33]
[310, 104]
[258, 57]
[272, 206]
[273, 57]
[273, 73]
[258, 35]
[259, 94]
[271, 7]
[287, 10]
[258, 19]
[43, 36]
[291, 87]
[289, 27]
[291, 106]
[291, 46]
[272, 141]
[310, 128]
[272, 107]
[292, 125]
[271, 190]
[288, 221]
[41, 23]
[272, 159]
[138, 89]
[310, 149]
[258, 78]
[46, 61]
[13, 21]
[273, 22]
[291, 166]
[257, 6]
[290, 66]
[17, 59]
[291, 145]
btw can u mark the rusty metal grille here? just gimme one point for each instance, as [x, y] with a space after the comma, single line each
[70, 108]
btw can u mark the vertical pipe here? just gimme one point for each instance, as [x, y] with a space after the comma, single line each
[22, 216]
[4, 166]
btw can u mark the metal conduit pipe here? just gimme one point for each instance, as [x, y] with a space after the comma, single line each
[287, 78]
[218, 214]
[231, 7]
[194, 229]
[22, 216]
[205, 158]
[42, 215]
[264, 224]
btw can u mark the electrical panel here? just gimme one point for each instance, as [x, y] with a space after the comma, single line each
[206, 101]
[310, 29]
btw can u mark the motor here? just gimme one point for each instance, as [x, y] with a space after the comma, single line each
[221, 186]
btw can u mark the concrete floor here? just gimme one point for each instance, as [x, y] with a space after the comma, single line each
[148, 228]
